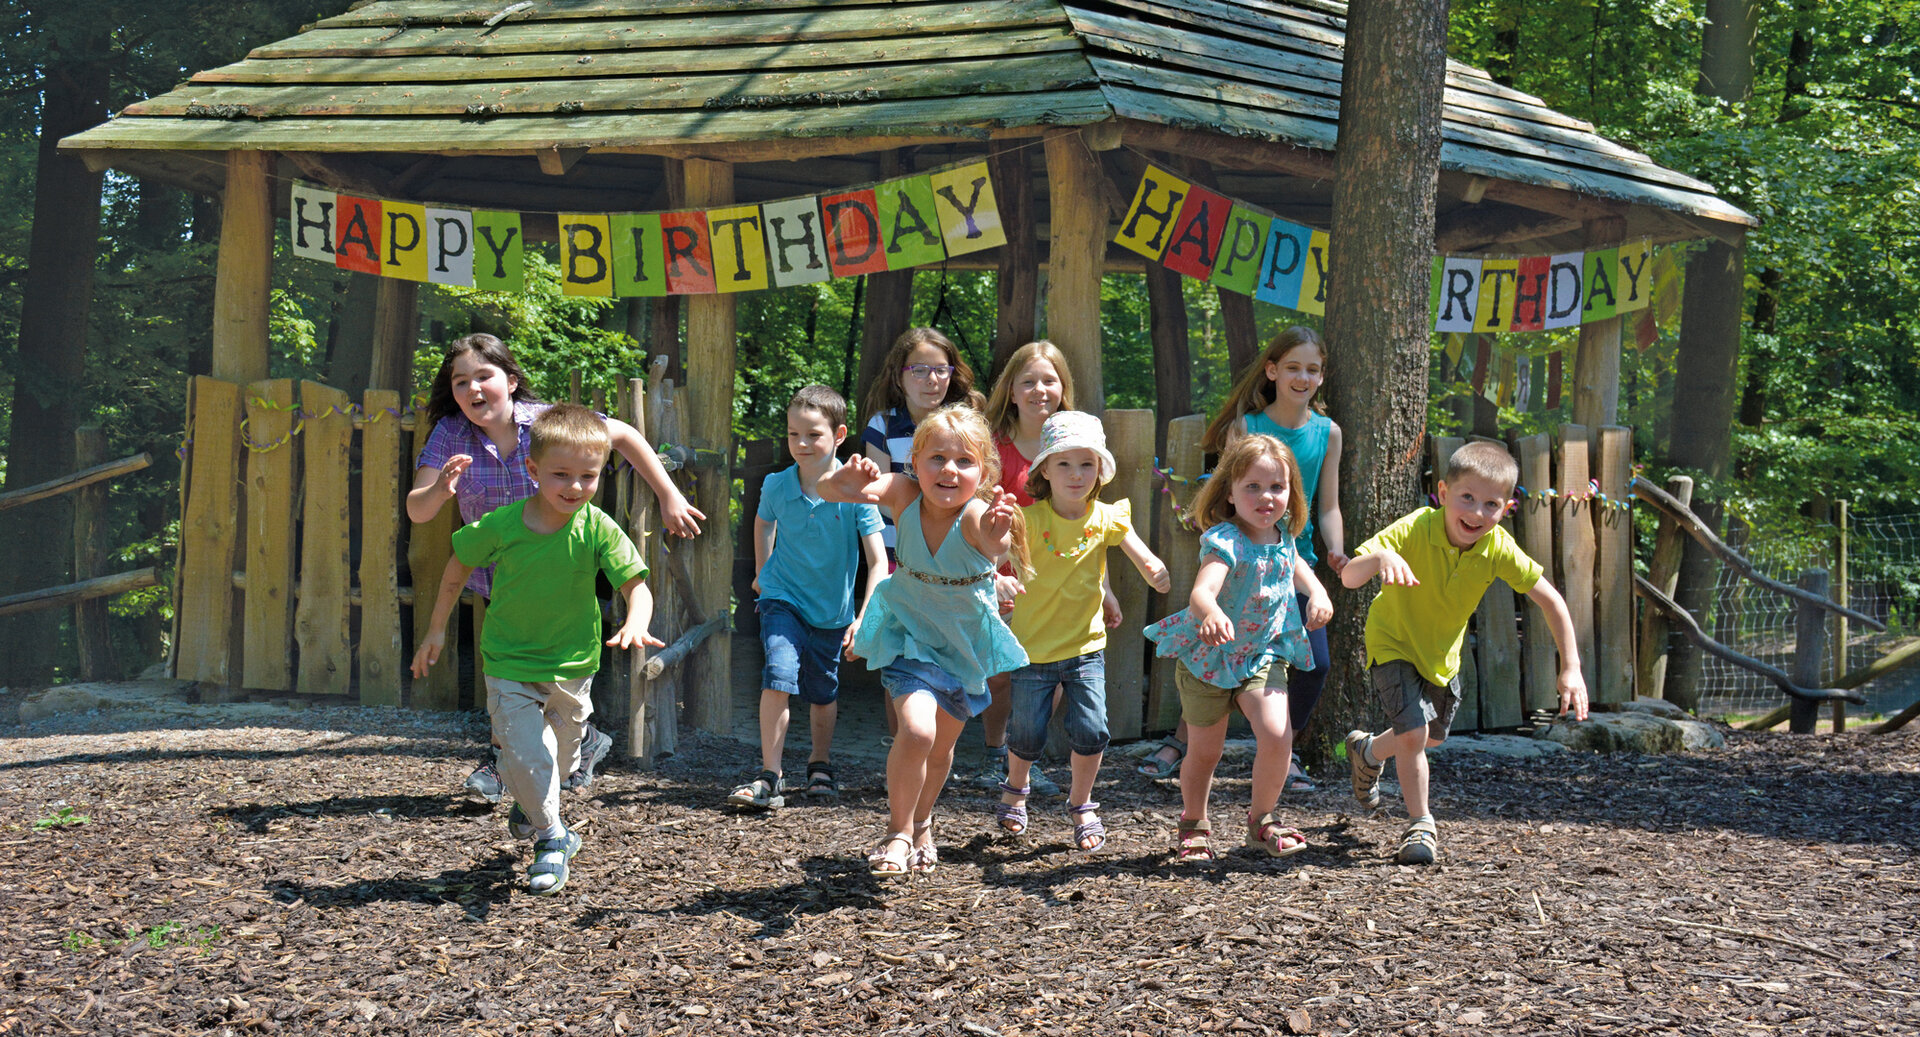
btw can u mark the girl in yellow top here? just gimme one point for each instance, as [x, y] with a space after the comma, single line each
[1059, 620]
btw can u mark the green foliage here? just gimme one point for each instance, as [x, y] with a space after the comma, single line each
[158, 937]
[65, 817]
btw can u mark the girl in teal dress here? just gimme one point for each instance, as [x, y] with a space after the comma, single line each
[933, 629]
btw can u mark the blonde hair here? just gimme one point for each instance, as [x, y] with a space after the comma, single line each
[1003, 415]
[967, 425]
[887, 391]
[568, 425]
[1214, 503]
[1489, 461]
[1254, 391]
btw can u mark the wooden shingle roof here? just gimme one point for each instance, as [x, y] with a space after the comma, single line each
[601, 89]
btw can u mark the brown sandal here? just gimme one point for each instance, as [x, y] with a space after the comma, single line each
[1193, 842]
[1272, 836]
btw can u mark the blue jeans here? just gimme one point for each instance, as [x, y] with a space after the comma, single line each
[801, 660]
[903, 677]
[1083, 706]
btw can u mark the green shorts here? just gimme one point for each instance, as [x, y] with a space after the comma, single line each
[1204, 705]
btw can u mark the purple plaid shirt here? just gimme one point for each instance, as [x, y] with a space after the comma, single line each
[491, 481]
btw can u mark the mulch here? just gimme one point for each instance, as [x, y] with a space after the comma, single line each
[322, 875]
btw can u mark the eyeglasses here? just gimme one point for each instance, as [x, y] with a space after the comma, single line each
[928, 371]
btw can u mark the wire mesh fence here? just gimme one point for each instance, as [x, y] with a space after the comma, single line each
[1883, 563]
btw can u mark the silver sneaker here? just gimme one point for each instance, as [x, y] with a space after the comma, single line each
[594, 747]
[485, 782]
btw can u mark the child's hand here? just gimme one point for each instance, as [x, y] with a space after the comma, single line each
[1158, 577]
[1005, 589]
[630, 635]
[998, 521]
[846, 639]
[429, 651]
[449, 479]
[1573, 693]
[1216, 628]
[1394, 569]
[853, 478]
[1110, 610]
[680, 517]
[1337, 561]
[1319, 609]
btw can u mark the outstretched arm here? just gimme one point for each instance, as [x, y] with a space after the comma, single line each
[1152, 569]
[1387, 564]
[452, 579]
[639, 614]
[874, 549]
[1332, 525]
[680, 517]
[1573, 686]
[1215, 627]
[990, 530]
[433, 487]
[763, 533]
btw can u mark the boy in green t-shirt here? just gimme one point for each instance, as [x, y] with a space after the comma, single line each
[1435, 565]
[541, 643]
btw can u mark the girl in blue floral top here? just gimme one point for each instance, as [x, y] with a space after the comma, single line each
[1240, 620]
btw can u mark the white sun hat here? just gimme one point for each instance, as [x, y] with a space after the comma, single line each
[1075, 430]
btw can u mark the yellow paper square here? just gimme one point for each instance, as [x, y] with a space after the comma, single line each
[405, 240]
[586, 255]
[1313, 286]
[969, 214]
[739, 248]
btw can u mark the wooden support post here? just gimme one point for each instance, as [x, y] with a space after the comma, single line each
[380, 659]
[710, 373]
[243, 274]
[1843, 593]
[669, 606]
[1130, 435]
[1596, 368]
[1663, 571]
[1612, 668]
[1179, 547]
[209, 532]
[320, 614]
[266, 641]
[1172, 354]
[429, 545]
[396, 331]
[1575, 526]
[94, 636]
[1076, 256]
[1243, 335]
[639, 722]
[1019, 283]
[1534, 530]
[1809, 652]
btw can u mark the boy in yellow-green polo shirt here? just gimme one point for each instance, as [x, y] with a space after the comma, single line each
[1435, 565]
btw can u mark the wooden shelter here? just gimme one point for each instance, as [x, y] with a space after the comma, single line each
[612, 105]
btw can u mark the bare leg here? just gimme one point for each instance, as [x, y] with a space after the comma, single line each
[1409, 752]
[1266, 713]
[773, 728]
[1196, 774]
[993, 719]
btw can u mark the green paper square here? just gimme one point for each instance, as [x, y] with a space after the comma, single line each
[909, 226]
[499, 252]
[648, 277]
[1236, 265]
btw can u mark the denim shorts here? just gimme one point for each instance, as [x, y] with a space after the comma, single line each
[904, 676]
[800, 659]
[1412, 701]
[1083, 705]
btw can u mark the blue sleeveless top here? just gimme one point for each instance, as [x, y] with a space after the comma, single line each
[1309, 446]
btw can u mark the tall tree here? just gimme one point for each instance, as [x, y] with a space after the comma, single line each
[1386, 178]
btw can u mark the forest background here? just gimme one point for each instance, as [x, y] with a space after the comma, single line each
[1825, 153]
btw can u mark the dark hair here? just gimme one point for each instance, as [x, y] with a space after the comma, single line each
[831, 405]
[1254, 391]
[887, 392]
[440, 402]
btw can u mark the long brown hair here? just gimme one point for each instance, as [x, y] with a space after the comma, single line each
[965, 423]
[1254, 390]
[886, 391]
[440, 402]
[1003, 415]
[1214, 503]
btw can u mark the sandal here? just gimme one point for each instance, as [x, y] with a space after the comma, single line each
[1297, 780]
[1418, 842]
[1088, 828]
[1155, 767]
[1193, 842]
[548, 872]
[1013, 819]
[1275, 838]
[820, 783]
[925, 857]
[1366, 776]
[882, 864]
[761, 793]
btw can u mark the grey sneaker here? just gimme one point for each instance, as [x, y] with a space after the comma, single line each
[548, 873]
[594, 747]
[518, 826]
[1040, 783]
[485, 782]
[993, 770]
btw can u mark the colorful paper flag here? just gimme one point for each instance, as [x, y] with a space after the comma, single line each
[909, 223]
[1459, 294]
[969, 215]
[310, 219]
[852, 220]
[406, 236]
[1237, 266]
[639, 268]
[1196, 233]
[499, 258]
[450, 235]
[1634, 281]
[356, 245]
[686, 253]
[794, 241]
[1283, 264]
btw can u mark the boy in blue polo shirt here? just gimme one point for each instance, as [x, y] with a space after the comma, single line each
[804, 551]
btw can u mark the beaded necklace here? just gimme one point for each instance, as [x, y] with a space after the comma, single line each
[1086, 535]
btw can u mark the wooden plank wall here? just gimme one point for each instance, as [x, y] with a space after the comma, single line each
[1179, 547]
[267, 635]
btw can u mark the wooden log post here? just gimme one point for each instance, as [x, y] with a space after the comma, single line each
[1612, 668]
[1574, 521]
[396, 330]
[669, 605]
[639, 523]
[1534, 530]
[429, 545]
[380, 658]
[266, 653]
[1130, 435]
[1663, 571]
[209, 532]
[243, 273]
[1809, 652]
[710, 373]
[1596, 367]
[92, 634]
[1172, 354]
[1018, 286]
[1843, 593]
[320, 613]
[1179, 547]
[1076, 256]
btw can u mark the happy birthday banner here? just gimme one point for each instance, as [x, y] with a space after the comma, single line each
[1241, 248]
[893, 225]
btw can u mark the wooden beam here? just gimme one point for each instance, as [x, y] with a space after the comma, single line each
[1230, 152]
[1018, 286]
[69, 483]
[85, 590]
[1473, 228]
[92, 635]
[1077, 246]
[340, 172]
[556, 161]
[711, 339]
[1596, 367]
[243, 277]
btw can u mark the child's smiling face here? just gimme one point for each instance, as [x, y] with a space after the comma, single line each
[567, 476]
[1072, 473]
[948, 470]
[1298, 374]
[1037, 390]
[1260, 494]
[484, 392]
[925, 393]
[1473, 505]
[811, 439]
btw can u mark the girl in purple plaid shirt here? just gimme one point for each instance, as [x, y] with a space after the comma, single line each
[480, 407]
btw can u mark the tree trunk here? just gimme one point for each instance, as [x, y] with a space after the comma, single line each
[1379, 323]
[53, 341]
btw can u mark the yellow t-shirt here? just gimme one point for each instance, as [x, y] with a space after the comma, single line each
[1059, 615]
[1425, 625]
